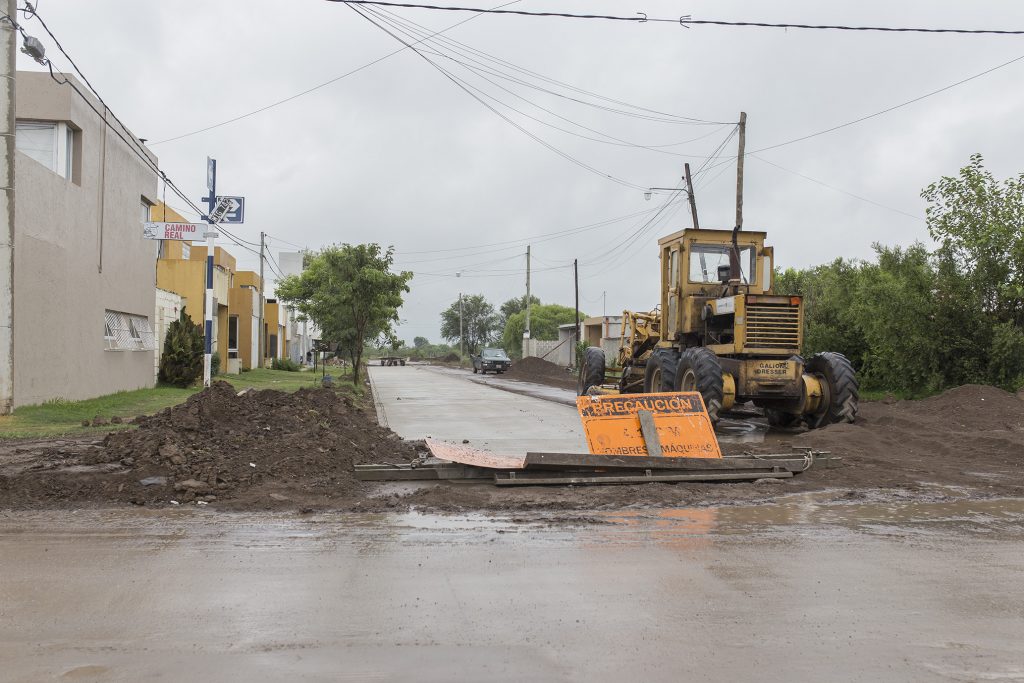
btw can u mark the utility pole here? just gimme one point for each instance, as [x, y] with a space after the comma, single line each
[8, 40]
[211, 201]
[576, 280]
[526, 330]
[462, 338]
[739, 171]
[263, 237]
[604, 304]
[693, 200]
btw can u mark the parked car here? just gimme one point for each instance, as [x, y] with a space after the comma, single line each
[493, 360]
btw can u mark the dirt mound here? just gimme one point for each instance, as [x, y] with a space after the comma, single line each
[532, 369]
[968, 436]
[260, 447]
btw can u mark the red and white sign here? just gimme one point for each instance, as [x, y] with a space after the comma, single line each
[174, 231]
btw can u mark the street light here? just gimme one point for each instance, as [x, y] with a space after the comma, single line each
[647, 194]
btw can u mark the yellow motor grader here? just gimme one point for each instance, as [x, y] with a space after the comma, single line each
[720, 330]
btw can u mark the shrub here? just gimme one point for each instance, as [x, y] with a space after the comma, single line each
[286, 364]
[182, 361]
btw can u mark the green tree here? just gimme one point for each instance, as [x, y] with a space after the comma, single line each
[181, 363]
[479, 323]
[420, 342]
[979, 225]
[352, 295]
[513, 306]
[544, 322]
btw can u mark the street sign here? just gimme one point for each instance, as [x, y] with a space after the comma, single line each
[235, 214]
[211, 174]
[174, 231]
[224, 204]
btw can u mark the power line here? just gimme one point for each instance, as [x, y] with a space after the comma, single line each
[133, 145]
[642, 18]
[312, 89]
[468, 91]
[889, 109]
[837, 189]
[480, 70]
[462, 48]
[838, 27]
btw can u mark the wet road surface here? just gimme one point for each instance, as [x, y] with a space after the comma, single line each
[790, 592]
[419, 400]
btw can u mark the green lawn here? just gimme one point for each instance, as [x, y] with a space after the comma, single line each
[57, 418]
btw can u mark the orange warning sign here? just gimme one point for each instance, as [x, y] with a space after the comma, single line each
[674, 424]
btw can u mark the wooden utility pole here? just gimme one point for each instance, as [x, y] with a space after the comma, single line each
[693, 200]
[263, 237]
[526, 330]
[739, 170]
[576, 280]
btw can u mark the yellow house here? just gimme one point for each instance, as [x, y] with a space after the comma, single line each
[181, 268]
[243, 319]
[275, 320]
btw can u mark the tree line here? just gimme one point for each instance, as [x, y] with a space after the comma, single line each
[482, 325]
[918, 320]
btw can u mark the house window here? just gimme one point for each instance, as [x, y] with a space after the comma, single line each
[127, 332]
[232, 336]
[50, 143]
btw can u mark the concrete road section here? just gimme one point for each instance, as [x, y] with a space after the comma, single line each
[419, 400]
[775, 593]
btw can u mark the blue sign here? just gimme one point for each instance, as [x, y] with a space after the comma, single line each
[235, 214]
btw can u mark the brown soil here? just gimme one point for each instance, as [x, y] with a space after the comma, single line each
[967, 442]
[538, 370]
[257, 449]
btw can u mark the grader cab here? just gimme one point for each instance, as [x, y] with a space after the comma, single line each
[719, 330]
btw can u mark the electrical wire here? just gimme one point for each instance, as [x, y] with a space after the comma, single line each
[838, 189]
[889, 109]
[531, 135]
[479, 71]
[469, 52]
[264, 108]
[685, 20]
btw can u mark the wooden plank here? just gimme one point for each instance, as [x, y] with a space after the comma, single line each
[535, 461]
[650, 433]
[468, 455]
[507, 478]
[444, 472]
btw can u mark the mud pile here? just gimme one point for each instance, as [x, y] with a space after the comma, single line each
[972, 435]
[260, 447]
[538, 370]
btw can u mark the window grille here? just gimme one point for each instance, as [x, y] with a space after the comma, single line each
[127, 332]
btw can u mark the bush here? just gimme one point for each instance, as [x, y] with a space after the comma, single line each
[182, 361]
[215, 364]
[286, 364]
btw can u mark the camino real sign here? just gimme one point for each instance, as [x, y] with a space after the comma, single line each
[174, 231]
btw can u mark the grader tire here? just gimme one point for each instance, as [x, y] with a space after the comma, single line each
[843, 390]
[699, 370]
[660, 373]
[592, 370]
[782, 420]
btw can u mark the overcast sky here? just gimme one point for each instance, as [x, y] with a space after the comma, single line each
[399, 155]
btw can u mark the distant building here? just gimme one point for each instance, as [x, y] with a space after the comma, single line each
[181, 269]
[83, 285]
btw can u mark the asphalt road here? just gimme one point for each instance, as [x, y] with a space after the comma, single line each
[792, 591]
[421, 400]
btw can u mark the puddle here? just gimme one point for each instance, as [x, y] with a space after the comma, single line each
[809, 510]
